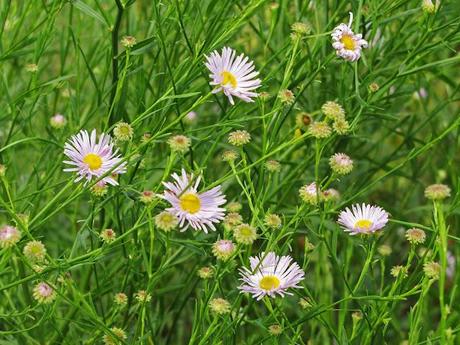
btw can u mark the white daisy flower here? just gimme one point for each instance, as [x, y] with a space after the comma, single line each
[347, 44]
[363, 219]
[232, 75]
[93, 159]
[270, 275]
[199, 210]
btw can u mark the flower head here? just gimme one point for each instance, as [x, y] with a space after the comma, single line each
[35, 251]
[437, 191]
[273, 165]
[232, 75]
[333, 110]
[399, 270]
[341, 126]
[275, 329]
[347, 44]
[234, 206]
[341, 164]
[205, 272]
[147, 196]
[9, 236]
[229, 155]
[301, 28]
[223, 249]
[166, 221]
[58, 121]
[179, 143]
[123, 131]
[415, 236]
[429, 7]
[219, 306]
[245, 234]
[270, 275]
[331, 194]
[363, 219]
[43, 293]
[99, 189]
[309, 193]
[93, 159]
[32, 68]
[239, 138]
[273, 221]
[120, 299]
[432, 270]
[142, 296]
[128, 41]
[108, 235]
[199, 210]
[114, 339]
[303, 120]
[286, 96]
[232, 219]
[384, 250]
[320, 130]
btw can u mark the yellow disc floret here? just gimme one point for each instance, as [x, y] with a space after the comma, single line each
[190, 203]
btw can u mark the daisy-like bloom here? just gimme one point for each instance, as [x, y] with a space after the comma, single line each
[273, 221]
[415, 236]
[179, 143]
[93, 159]
[232, 75]
[43, 293]
[205, 272]
[147, 196]
[437, 191]
[223, 249]
[309, 193]
[9, 236]
[333, 110]
[120, 299]
[363, 219]
[245, 234]
[432, 270]
[199, 210]
[273, 166]
[219, 306]
[398, 270]
[116, 338]
[123, 131]
[108, 235]
[270, 275]
[239, 138]
[320, 130]
[58, 121]
[35, 251]
[347, 44]
[166, 221]
[341, 164]
[142, 296]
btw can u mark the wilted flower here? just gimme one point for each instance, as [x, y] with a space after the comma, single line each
[270, 275]
[147, 196]
[199, 210]
[232, 75]
[219, 306]
[347, 44]
[363, 219]
[245, 234]
[166, 221]
[179, 143]
[239, 138]
[108, 235]
[415, 236]
[437, 191]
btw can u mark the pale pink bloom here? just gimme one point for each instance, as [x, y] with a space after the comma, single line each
[347, 44]
[363, 219]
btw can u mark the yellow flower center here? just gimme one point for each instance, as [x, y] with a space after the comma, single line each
[269, 283]
[93, 161]
[246, 231]
[228, 78]
[167, 217]
[363, 224]
[348, 42]
[190, 203]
